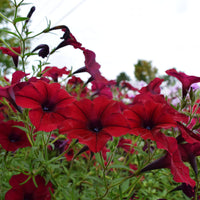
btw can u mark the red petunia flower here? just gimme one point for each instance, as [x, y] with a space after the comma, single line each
[9, 91]
[185, 79]
[153, 87]
[148, 116]
[54, 72]
[12, 138]
[125, 84]
[48, 104]
[95, 122]
[189, 152]
[12, 54]
[127, 145]
[100, 87]
[173, 160]
[91, 66]
[28, 190]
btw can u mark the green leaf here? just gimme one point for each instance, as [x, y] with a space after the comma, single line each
[19, 19]
[121, 167]
[4, 30]
[22, 128]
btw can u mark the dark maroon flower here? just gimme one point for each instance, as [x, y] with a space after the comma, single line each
[68, 38]
[12, 54]
[189, 152]
[28, 190]
[30, 13]
[11, 137]
[44, 50]
[48, 104]
[95, 122]
[187, 189]
[54, 72]
[185, 79]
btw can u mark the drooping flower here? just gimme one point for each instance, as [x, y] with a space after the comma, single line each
[189, 152]
[14, 56]
[28, 190]
[48, 104]
[68, 38]
[95, 122]
[185, 79]
[11, 137]
[30, 13]
[44, 50]
[172, 161]
[91, 66]
[54, 72]
[187, 190]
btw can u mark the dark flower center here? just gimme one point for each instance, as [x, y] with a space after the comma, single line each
[28, 196]
[48, 107]
[148, 125]
[95, 126]
[14, 137]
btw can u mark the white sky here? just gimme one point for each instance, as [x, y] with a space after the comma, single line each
[120, 32]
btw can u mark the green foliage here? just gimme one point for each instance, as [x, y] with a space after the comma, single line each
[8, 9]
[144, 71]
[122, 77]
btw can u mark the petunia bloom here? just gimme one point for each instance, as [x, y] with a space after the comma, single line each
[153, 87]
[54, 72]
[14, 56]
[95, 122]
[173, 162]
[91, 66]
[28, 190]
[185, 79]
[11, 137]
[147, 116]
[48, 104]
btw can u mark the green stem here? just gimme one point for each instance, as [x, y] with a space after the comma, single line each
[3, 16]
[6, 44]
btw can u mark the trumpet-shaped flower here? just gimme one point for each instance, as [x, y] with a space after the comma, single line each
[95, 122]
[48, 104]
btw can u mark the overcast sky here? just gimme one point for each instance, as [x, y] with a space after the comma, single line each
[166, 32]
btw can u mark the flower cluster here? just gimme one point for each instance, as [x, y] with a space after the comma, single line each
[49, 124]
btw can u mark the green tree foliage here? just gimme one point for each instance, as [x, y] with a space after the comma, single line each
[122, 77]
[144, 71]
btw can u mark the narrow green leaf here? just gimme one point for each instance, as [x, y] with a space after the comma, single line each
[22, 128]
[19, 19]
[4, 30]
